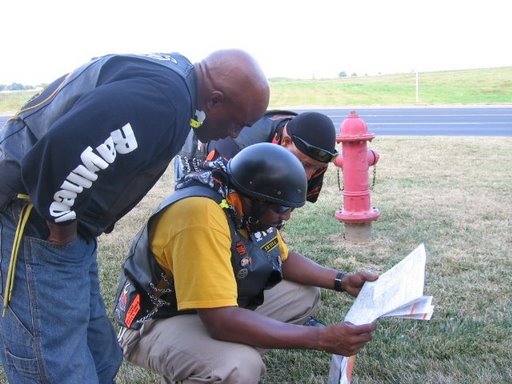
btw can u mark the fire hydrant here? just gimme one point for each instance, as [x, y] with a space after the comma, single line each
[355, 160]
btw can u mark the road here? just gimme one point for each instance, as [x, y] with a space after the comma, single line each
[430, 121]
[424, 121]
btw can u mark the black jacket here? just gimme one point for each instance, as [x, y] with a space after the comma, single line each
[95, 141]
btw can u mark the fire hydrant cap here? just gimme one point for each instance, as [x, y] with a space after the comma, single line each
[354, 128]
[354, 125]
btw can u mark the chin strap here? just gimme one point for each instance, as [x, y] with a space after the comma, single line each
[20, 229]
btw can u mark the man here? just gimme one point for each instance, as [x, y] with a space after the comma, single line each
[310, 136]
[83, 154]
[209, 283]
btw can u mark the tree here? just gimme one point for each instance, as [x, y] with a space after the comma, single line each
[342, 74]
[16, 87]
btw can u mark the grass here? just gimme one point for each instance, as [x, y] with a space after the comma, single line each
[475, 86]
[451, 193]
[12, 101]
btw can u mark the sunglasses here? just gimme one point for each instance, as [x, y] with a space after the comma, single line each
[316, 153]
[280, 209]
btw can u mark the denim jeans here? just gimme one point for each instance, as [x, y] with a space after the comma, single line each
[55, 329]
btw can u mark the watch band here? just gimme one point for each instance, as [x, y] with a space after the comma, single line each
[337, 281]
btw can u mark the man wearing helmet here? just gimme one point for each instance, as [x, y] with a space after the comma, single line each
[209, 284]
[310, 136]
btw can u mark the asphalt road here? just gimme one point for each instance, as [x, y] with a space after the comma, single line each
[424, 121]
[430, 121]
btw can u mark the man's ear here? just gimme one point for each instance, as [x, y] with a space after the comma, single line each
[216, 97]
[286, 140]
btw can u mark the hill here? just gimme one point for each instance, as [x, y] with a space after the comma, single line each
[475, 86]
[471, 86]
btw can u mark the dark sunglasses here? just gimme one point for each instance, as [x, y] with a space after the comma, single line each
[316, 153]
[280, 209]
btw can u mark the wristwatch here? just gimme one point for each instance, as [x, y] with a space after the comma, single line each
[337, 281]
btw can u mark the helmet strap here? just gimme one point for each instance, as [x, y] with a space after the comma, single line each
[253, 219]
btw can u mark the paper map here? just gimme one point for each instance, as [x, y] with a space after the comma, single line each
[397, 292]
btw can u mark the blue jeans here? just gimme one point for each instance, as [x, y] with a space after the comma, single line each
[55, 329]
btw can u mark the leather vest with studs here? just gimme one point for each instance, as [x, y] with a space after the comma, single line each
[145, 291]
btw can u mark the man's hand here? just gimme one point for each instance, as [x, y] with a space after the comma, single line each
[62, 234]
[353, 282]
[239, 325]
[345, 339]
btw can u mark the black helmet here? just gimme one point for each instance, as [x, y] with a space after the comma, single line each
[270, 173]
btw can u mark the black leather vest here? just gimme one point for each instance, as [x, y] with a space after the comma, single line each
[146, 291]
[36, 117]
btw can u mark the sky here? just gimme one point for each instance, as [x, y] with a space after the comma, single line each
[41, 40]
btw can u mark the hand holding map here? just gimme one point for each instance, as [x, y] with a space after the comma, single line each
[398, 292]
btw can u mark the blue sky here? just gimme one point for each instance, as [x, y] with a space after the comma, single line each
[42, 40]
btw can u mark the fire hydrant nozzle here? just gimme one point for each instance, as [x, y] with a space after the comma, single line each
[354, 160]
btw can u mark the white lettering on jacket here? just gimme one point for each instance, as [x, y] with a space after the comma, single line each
[121, 141]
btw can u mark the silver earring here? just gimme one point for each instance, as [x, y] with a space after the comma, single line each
[251, 220]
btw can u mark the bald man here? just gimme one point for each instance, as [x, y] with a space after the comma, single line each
[232, 93]
[73, 161]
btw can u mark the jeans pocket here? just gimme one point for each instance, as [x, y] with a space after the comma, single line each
[20, 367]
[19, 348]
[75, 253]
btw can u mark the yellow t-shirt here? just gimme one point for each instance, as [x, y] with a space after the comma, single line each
[192, 243]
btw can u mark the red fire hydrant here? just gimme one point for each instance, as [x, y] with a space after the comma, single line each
[355, 160]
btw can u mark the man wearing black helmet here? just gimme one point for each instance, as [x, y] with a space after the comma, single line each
[209, 284]
[310, 136]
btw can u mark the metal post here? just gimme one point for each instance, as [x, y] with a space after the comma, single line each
[417, 88]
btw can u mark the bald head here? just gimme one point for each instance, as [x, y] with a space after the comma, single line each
[239, 75]
[232, 91]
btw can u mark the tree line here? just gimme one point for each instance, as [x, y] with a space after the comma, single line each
[18, 87]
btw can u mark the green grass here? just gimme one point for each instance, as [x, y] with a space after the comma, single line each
[452, 193]
[12, 101]
[475, 86]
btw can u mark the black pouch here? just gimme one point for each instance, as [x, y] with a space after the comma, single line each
[128, 307]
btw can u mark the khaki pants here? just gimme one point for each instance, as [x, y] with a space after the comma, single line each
[180, 349]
